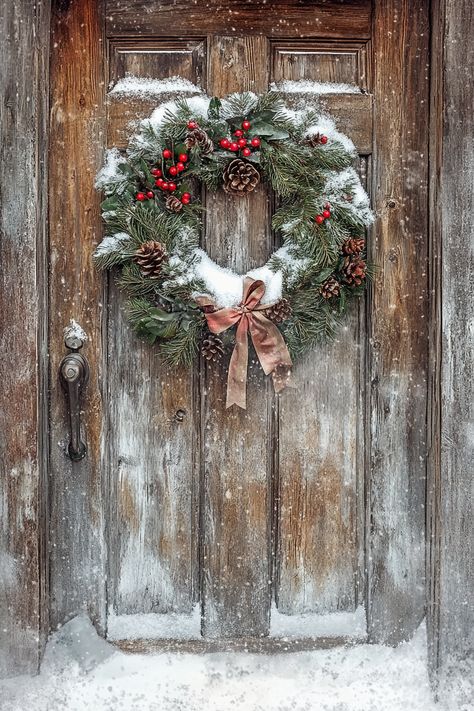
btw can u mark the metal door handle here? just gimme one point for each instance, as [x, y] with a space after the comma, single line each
[74, 374]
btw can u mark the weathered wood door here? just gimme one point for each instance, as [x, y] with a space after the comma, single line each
[312, 502]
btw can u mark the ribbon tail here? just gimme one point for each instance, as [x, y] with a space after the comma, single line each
[237, 377]
[271, 350]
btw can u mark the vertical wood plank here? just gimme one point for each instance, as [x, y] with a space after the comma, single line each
[398, 343]
[236, 464]
[77, 136]
[451, 606]
[154, 454]
[23, 111]
[321, 431]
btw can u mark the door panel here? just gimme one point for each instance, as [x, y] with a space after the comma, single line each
[231, 509]
[320, 432]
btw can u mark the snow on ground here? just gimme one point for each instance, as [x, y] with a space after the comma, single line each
[81, 672]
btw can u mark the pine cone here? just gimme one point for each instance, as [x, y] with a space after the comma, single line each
[173, 204]
[212, 348]
[354, 245]
[149, 257]
[279, 312]
[313, 140]
[240, 177]
[354, 270]
[330, 288]
[198, 137]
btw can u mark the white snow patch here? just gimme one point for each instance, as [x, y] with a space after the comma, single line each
[197, 104]
[306, 86]
[225, 287]
[111, 244]
[74, 330]
[355, 678]
[148, 87]
[333, 624]
[327, 127]
[109, 172]
[155, 626]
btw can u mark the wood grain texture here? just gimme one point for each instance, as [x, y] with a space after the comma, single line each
[153, 455]
[451, 606]
[23, 145]
[353, 114]
[398, 339]
[236, 463]
[157, 59]
[251, 645]
[233, 17]
[321, 429]
[77, 130]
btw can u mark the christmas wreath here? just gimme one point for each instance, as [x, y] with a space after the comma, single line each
[177, 295]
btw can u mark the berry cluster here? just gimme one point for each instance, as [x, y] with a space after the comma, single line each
[240, 142]
[165, 177]
[325, 215]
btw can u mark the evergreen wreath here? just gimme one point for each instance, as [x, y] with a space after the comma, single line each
[152, 212]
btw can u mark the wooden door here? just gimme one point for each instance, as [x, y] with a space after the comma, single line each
[312, 502]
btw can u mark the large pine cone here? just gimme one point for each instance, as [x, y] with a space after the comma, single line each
[279, 312]
[354, 245]
[198, 137]
[212, 348]
[173, 204]
[150, 257]
[354, 270]
[240, 177]
[330, 288]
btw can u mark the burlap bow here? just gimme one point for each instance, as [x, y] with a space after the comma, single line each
[267, 340]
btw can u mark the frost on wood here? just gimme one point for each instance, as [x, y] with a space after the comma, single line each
[333, 624]
[313, 87]
[155, 626]
[148, 87]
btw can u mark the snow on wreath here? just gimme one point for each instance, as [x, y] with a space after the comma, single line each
[177, 295]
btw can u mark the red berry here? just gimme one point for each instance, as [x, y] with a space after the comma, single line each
[173, 170]
[159, 182]
[187, 196]
[326, 214]
[242, 142]
[224, 143]
[246, 125]
[238, 133]
[164, 185]
[180, 166]
[319, 219]
[323, 139]
[185, 200]
[183, 157]
[234, 147]
[172, 187]
[156, 172]
[246, 152]
[141, 196]
[167, 153]
[192, 125]
[150, 194]
[255, 142]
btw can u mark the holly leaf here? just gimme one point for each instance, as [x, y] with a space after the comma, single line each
[214, 110]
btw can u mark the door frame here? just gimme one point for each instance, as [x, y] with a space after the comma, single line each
[24, 608]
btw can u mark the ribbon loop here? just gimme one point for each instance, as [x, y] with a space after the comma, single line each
[267, 339]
